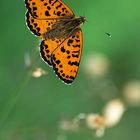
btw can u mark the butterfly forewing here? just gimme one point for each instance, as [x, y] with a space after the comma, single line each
[48, 9]
[66, 58]
[39, 27]
[47, 47]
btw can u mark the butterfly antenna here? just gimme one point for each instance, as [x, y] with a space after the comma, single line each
[108, 34]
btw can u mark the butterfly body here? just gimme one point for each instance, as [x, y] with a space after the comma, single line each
[59, 29]
[64, 28]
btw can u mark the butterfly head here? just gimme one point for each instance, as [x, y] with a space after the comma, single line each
[80, 20]
[83, 19]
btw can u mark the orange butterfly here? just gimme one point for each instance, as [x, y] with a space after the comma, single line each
[61, 46]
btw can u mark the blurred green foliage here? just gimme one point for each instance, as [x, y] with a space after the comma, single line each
[30, 108]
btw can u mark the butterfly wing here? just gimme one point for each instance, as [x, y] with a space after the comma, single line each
[47, 47]
[39, 27]
[48, 9]
[66, 58]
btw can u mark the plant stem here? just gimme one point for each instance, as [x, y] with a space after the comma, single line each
[12, 101]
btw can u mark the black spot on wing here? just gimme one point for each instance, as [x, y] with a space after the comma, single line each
[57, 62]
[75, 46]
[45, 4]
[70, 41]
[34, 8]
[73, 63]
[33, 3]
[58, 13]
[68, 57]
[68, 52]
[48, 7]
[77, 40]
[63, 49]
[47, 13]
[35, 24]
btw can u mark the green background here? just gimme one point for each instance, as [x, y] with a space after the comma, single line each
[30, 108]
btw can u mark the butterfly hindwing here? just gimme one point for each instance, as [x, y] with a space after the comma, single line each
[66, 58]
[48, 9]
[47, 47]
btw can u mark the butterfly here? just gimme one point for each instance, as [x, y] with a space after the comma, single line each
[60, 33]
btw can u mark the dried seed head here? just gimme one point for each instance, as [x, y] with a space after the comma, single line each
[131, 93]
[113, 112]
[97, 65]
[95, 121]
[38, 72]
